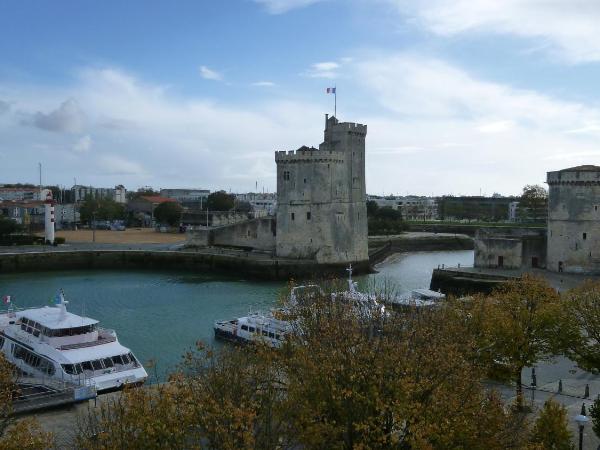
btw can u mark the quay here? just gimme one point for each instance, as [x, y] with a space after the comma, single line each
[460, 281]
[254, 264]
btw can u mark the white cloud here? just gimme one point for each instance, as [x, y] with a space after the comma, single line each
[470, 133]
[117, 165]
[327, 69]
[83, 145]
[144, 135]
[209, 74]
[283, 6]
[567, 28]
[67, 118]
[263, 83]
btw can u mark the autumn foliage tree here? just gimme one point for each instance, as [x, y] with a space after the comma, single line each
[551, 429]
[23, 434]
[518, 325]
[583, 307]
[342, 380]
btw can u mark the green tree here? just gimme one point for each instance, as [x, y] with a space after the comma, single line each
[523, 323]
[372, 208]
[243, 206]
[533, 203]
[101, 209]
[583, 306]
[8, 226]
[220, 201]
[168, 213]
[551, 428]
[142, 192]
[595, 415]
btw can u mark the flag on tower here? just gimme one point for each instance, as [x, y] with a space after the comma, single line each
[6, 299]
[331, 90]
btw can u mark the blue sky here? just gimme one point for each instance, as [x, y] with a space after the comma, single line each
[460, 96]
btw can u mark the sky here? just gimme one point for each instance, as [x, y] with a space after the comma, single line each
[460, 97]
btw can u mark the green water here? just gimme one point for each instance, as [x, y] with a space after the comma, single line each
[159, 315]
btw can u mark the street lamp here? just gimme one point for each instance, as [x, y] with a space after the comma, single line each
[581, 420]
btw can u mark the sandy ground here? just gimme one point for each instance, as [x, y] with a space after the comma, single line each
[130, 236]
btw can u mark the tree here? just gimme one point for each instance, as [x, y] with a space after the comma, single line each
[343, 380]
[523, 322]
[533, 203]
[100, 209]
[372, 208]
[551, 428]
[583, 306]
[220, 201]
[595, 415]
[17, 435]
[142, 192]
[243, 206]
[168, 212]
[8, 226]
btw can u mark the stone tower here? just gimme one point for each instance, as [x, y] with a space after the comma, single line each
[321, 198]
[574, 220]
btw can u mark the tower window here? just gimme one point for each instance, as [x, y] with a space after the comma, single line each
[286, 175]
[305, 181]
[293, 216]
[308, 215]
[584, 236]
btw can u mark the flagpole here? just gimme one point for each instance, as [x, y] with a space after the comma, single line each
[335, 101]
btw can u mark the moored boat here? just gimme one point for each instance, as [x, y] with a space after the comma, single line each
[50, 342]
[253, 328]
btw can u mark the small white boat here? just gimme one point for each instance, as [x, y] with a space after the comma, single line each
[50, 342]
[252, 329]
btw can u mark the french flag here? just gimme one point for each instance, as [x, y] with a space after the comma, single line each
[6, 299]
[331, 90]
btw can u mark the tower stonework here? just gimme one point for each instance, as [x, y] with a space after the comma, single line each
[574, 220]
[321, 198]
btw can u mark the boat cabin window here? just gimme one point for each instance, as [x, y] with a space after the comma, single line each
[245, 327]
[96, 364]
[278, 337]
[251, 329]
[271, 335]
[107, 362]
[265, 333]
[72, 369]
[33, 360]
[74, 331]
[87, 365]
[117, 359]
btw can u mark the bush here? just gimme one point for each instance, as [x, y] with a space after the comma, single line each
[551, 429]
[59, 240]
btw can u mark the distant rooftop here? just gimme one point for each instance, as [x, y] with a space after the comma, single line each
[51, 317]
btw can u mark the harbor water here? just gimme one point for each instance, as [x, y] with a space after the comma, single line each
[160, 315]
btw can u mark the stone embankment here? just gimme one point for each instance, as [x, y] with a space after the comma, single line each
[380, 247]
[255, 264]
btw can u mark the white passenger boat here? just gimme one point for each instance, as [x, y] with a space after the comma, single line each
[252, 329]
[50, 342]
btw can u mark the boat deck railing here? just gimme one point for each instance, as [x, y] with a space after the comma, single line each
[40, 392]
[105, 336]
